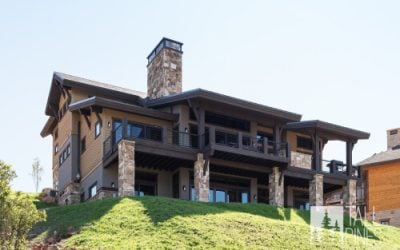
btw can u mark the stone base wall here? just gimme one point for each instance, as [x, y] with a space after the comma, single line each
[201, 178]
[70, 195]
[300, 160]
[103, 194]
[126, 168]
[276, 188]
[392, 215]
[316, 190]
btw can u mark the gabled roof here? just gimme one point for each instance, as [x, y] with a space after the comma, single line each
[329, 130]
[385, 156]
[93, 87]
[220, 98]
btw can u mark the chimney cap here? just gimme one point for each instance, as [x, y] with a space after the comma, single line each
[165, 43]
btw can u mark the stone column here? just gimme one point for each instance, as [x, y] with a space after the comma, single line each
[316, 190]
[276, 192]
[201, 178]
[126, 168]
[253, 191]
[350, 198]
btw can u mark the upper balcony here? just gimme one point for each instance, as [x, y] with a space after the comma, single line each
[236, 146]
[214, 142]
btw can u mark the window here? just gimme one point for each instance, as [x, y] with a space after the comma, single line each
[227, 139]
[136, 130]
[385, 222]
[227, 121]
[304, 143]
[93, 190]
[83, 145]
[97, 129]
[64, 155]
[220, 196]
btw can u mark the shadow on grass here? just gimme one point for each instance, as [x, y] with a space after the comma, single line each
[60, 218]
[162, 209]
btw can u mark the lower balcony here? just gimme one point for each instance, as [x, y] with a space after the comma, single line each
[334, 167]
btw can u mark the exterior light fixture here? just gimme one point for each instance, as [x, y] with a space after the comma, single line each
[109, 124]
[255, 197]
[78, 177]
[184, 187]
[112, 185]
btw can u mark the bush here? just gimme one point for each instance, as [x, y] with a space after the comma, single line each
[17, 212]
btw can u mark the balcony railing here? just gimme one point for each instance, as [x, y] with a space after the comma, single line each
[244, 142]
[150, 133]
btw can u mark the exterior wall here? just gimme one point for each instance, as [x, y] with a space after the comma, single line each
[383, 187]
[393, 215]
[164, 75]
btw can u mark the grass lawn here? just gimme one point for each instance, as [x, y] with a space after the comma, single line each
[164, 223]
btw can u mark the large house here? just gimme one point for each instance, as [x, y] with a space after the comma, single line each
[381, 175]
[195, 145]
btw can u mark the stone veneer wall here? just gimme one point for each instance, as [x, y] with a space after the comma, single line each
[350, 197]
[393, 215]
[164, 75]
[300, 160]
[276, 188]
[316, 190]
[70, 195]
[126, 168]
[201, 178]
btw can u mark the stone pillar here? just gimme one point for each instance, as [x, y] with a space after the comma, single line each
[201, 178]
[316, 190]
[126, 168]
[350, 198]
[276, 192]
[253, 191]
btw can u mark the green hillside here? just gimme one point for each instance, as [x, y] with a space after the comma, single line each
[154, 223]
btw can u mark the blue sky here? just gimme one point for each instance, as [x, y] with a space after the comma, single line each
[336, 61]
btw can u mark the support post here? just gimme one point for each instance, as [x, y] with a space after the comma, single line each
[126, 168]
[201, 127]
[253, 190]
[276, 188]
[316, 190]
[317, 153]
[349, 157]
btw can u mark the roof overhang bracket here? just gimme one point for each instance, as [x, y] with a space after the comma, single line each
[86, 114]
[195, 111]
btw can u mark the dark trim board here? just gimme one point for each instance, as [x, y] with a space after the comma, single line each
[331, 131]
[131, 108]
[201, 94]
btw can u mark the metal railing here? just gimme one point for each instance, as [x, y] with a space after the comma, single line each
[339, 167]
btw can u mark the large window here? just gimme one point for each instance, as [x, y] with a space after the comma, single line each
[136, 130]
[227, 121]
[227, 139]
[304, 143]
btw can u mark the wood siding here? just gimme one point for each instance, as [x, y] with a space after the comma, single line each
[383, 186]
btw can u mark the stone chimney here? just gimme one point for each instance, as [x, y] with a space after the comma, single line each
[164, 69]
[393, 139]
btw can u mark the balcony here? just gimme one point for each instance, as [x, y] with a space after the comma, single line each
[215, 142]
[237, 146]
[335, 167]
